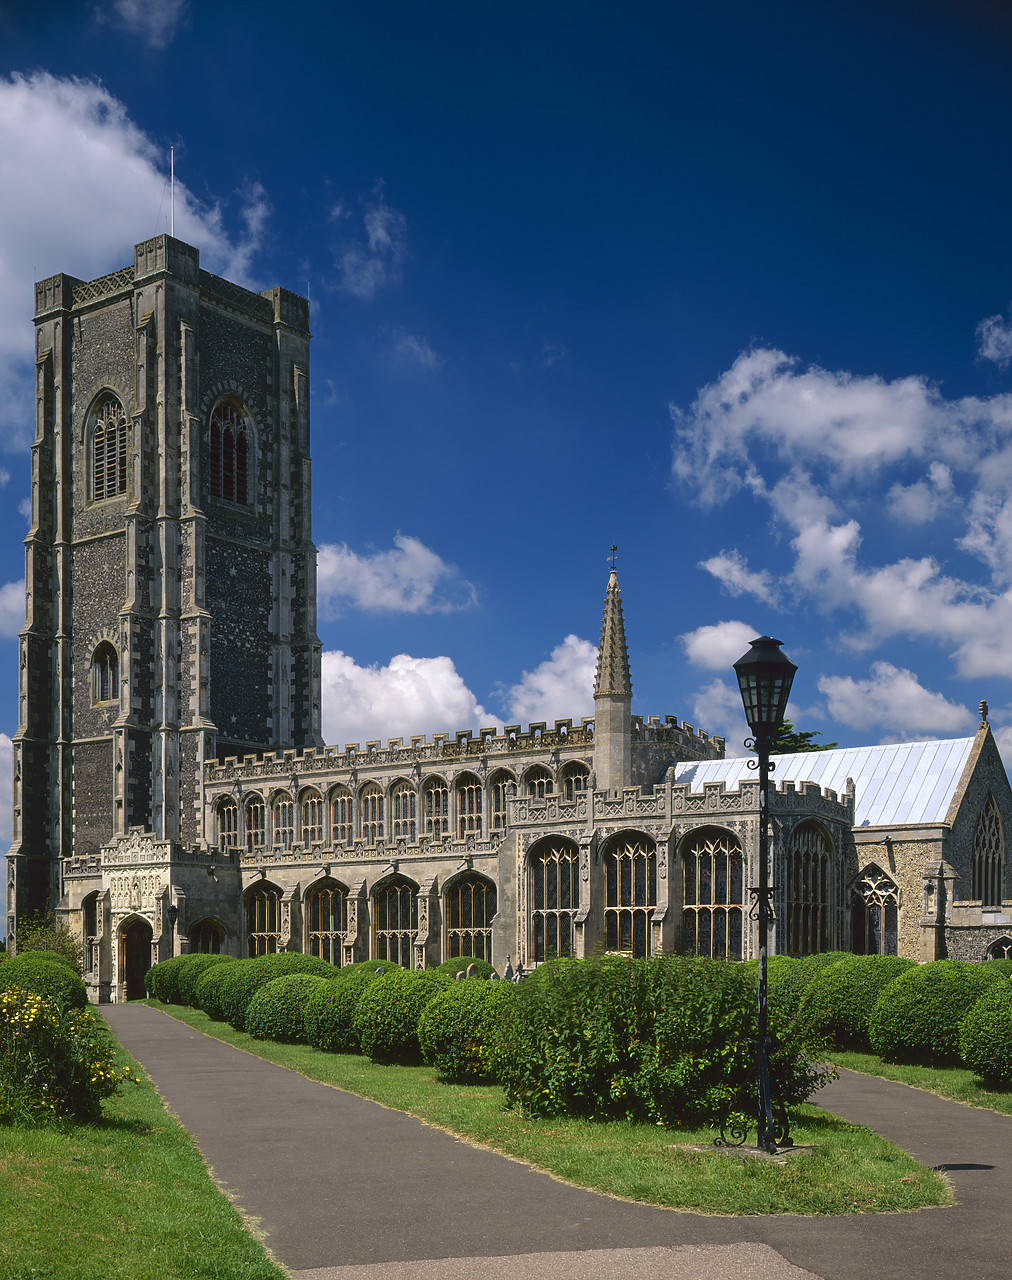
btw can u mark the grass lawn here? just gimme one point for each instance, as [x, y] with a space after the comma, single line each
[850, 1169]
[124, 1199]
[959, 1084]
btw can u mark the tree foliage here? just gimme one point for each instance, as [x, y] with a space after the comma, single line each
[789, 740]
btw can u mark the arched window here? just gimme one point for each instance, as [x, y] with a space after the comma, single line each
[263, 920]
[874, 914]
[228, 824]
[574, 780]
[312, 818]
[371, 809]
[503, 786]
[206, 937]
[630, 876]
[538, 783]
[342, 817]
[104, 674]
[1000, 949]
[395, 920]
[256, 824]
[403, 801]
[554, 879]
[807, 892]
[107, 430]
[326, 920]
[988, 857]
[470, 906]
[230, 451]
[469, 806]
[437, 807]
[283, 821]
[713, 894]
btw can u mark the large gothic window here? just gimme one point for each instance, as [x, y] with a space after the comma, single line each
[230, 451]
[371, 809]
[263, 920]
[206, 937]
[807, 892]
[630, 876]
[874, 914]
[988, 857]
[713, 895]
[104, 674]
[437, 807]
[395, 920]
[470, 904]
[469, 805]
[342, 814]
[554, 886]
[403, 802]
[283, 821]
[108, 436]
[326, 920]
[312, 818]
[228, 825]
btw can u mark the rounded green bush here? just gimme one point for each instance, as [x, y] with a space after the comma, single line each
[459, 1023]
[49, 955]
[460, 964]
[916, 1017]
[330, 1010]
[189, 974]
[244, 979]
[841, 997]
[386, 1018]
[985, 1035]
[374, 967]
[50, 978]
[789, 977]
[208, 991]
[277, 1011]
[162, 980]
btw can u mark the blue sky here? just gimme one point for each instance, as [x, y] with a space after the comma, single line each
[727, 285]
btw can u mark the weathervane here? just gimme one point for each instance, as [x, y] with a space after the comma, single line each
[613, 550]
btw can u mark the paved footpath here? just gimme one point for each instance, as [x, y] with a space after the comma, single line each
[346, 1189]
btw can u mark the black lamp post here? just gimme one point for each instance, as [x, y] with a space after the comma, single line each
[172, 915]
[765, 675]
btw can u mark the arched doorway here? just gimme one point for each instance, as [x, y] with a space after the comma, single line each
[135, 957]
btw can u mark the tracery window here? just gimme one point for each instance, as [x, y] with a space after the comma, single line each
[108, 432]
[206, 937]
[326, 920]
[470, 906]
[469, 806]
[105, 674]
[256, 824]
[263, 920]
[437, 807]
[874, 914]
[371, 808]
[403, 801]
[1000, 949]
[312, 818]
[230, 451]
[988, 857]
[539, 783]
[807, 892]
[575, 780]
[342, 817]
[504, 785]
[630, 874]
[554, 879]
[283, 821]
[228, 825]
[713, 894]
[395, 920]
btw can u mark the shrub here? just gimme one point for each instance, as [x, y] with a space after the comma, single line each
[386, 1018]
[162, 980]
[190, 973]
[789, 977]
[244, 979]
[55, 956]
[330, 1010]
[646, 1039]
[277, 1010]
[208, 991]
[916, 1017]
[50, 978]
[53, 1061]
[841, 997]
[482, 968]
[458, 1024]
[52, 934]
[985, 1035]
[374, 967]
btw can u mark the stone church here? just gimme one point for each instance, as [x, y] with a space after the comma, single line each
[172, 791]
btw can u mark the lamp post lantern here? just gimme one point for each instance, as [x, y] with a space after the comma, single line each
[172, 915]
[765, 675]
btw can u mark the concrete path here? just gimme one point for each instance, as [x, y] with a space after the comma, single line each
[346, 1189]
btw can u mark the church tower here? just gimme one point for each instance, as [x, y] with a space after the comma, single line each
[170, 574]
[613, 698]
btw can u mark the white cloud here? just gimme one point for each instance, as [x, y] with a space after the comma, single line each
[408, 348]
[920, 502]
[894, 700]
[994, 341]
[408, 696]
[368, 265]
[552, 353]
[731, 570]
[155, 21]
[718, 646]
[717, 708]
[12, 608]
[410, 578]
[560, 687]
[69, 134]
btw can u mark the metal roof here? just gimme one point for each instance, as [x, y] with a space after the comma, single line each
[899, 784]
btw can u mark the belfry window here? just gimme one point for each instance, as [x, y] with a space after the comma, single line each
[555, 898]
[104, 674]
[230, 451]
[630, 874]
[108, 433]
[988, 857]
[713, 895]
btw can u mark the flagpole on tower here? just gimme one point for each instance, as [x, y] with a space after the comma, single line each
[172, 191]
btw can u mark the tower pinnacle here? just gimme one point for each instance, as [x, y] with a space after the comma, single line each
[612, 676]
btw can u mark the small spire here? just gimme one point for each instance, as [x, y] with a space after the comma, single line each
[612, 655]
